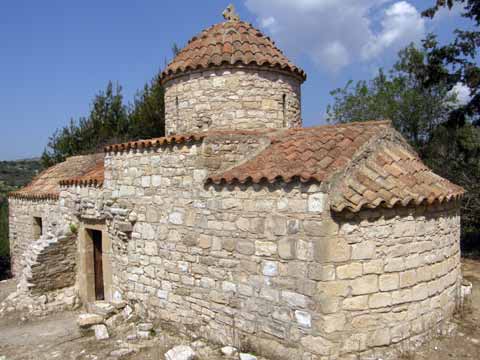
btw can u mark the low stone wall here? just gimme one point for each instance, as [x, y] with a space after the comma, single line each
[51, 264]
[33, 305]
[21, 226]
[232, 98]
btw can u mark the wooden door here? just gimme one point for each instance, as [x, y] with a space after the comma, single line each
[98, 264]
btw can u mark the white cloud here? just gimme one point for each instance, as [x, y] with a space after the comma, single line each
[336, 33]
[401, 24]
[463, 93]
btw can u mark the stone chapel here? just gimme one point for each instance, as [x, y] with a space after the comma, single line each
[328, 242]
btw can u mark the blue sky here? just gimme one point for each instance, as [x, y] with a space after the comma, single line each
[56, 54]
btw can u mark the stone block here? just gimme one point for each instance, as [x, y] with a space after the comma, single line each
[389, 282]
[408, 278]
[304, 250]
[269, 294]
[246, 356]
[101, 332]
[245, 247]
[275, 225]
[151, 248]
[181, 352]
[87, 320]
[304, 319]
[380, 300]
[380, 337]
[176, 218]
[364, 250]
[270, 268]
[317, 345]
[321, 272]
[401, 296]
[286, 249]
[373, 267]
[333, 322]
[356, 303]
[394, 265]
[228, 351]
[265, 248]
[332, 249]
[204, 241]
[317, 202]
[321, 227]
[349, 271]
[295, 299]
[366, 284]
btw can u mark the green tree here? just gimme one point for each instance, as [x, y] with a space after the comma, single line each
[456, 62]
[427, 114]
[107, 123]
[399, 95]
[147, 114]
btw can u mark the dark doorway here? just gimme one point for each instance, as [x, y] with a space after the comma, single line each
[98, 264]
[37, 228]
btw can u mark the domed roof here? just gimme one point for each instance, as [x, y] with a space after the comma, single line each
[232, 42]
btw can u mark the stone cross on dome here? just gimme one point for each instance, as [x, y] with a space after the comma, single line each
[229, 13]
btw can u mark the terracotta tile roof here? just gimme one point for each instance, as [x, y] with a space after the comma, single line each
[179, 139]
[155, 142]
[231, 43]
[335, 155]
[306, 153]
[392, 175]
[46, 185]
[93, 177]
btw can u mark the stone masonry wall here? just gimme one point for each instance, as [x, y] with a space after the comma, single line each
[267, 266]
[50, 263]
[21, 226]
[232, 98]
[230, 264]
[389, 280]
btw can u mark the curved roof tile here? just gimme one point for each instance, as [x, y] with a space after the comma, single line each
[46, 185]
[304, 154]
[230, 43]
[391, 176]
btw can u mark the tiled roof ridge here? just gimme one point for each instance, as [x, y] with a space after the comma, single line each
[25, 196]
[45, 185]
[181, 139]
[403, 193]
[241, 173]
[93, 178]
[369, 147]
[230, 43]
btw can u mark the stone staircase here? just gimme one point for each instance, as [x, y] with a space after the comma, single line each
[49, 264]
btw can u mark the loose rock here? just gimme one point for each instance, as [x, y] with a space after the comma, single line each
[181, 352]
[101, 308]
[244, 356]
[229, 350]
[101, 332]
[87, 320]
[145, 326]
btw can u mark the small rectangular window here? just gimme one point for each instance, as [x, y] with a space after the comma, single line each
[37, 228]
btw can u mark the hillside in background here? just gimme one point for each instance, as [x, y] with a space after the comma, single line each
[13, 175]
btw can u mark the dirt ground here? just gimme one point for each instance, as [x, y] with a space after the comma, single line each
[57, 336]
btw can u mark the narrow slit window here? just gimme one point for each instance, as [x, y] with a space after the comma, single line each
[37, 228]
[284, 109]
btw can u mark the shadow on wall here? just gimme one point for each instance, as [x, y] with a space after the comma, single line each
[5, 272]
